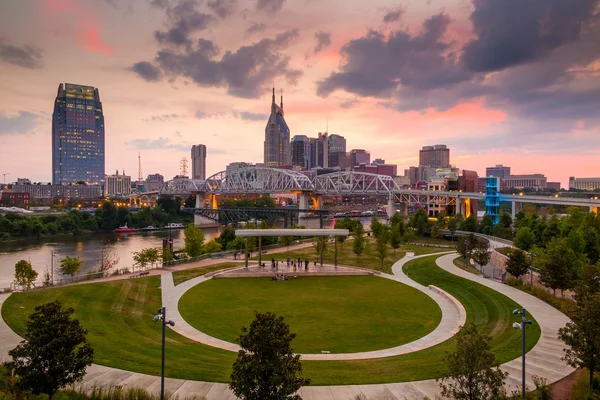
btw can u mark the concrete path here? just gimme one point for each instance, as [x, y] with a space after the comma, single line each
[453, 316]
[543, 360]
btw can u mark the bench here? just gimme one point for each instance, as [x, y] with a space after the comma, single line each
[145, 273]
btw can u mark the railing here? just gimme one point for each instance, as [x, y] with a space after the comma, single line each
[481, 235]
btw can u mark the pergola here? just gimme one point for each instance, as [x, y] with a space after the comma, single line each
[288, 232]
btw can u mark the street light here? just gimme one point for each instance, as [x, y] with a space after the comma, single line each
[162, 316]
[524, 322]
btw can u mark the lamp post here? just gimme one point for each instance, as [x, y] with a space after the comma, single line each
[162, 317]
[521, 325]
[52, 269]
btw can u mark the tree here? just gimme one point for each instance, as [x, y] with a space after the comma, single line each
[286, 241]
[108, 214]
[453, 225]
[524, 239]
[505, 219]
[381, 243]
[266, 367]
[465, 245]
[140, 258]
[558, 265]
[473, 372]
[358, 244]
[212, 246]
[582, 335]
[227, 235]
[419, 221]
[376, 226]
[24, 274]
[107, 259]
[70, 266]
[518, 263]
[320, 246]
[55, 352]
[469, 224]
[395, 238]
[194, 240]
[481, 253]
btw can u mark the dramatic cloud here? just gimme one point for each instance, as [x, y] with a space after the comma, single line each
[146, 71]
[255, 28]
[245, 71]
[323, 40]
[183, 20]
[376, 65]
[512, 32]
[26, 56]
[393, 15]
[162, 4]
[222, 8]
[269, 6]
[249, 116]
[20, 124]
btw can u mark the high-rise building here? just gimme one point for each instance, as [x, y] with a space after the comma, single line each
[499, 171]
[77, 136]
[336, 144]
[117, 185]
[359, 156]
[277, 137]
[199, 161]
[301, 151]
[434, 156]
[319, 151]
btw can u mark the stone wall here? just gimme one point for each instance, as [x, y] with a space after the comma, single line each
[498, 260]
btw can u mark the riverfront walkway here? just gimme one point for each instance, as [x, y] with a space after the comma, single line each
[543, 360]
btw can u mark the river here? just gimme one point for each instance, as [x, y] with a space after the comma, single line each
[90, 246]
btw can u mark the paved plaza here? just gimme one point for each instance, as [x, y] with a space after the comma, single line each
[544, 360]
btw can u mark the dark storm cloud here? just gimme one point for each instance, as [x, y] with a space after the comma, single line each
[323, 40]
[269, 6]
[255, 28]
[146, 71]
[162, 4]
[20, 124]
[222, 8]
[183, 20]
[249, 116]
[393, 15]
[512, 32]
[376, 65]
[245, 72]
[25, 56]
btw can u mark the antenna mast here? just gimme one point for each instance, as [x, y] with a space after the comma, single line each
[139, 167]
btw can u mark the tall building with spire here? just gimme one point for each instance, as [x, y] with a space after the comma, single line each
[277, 137]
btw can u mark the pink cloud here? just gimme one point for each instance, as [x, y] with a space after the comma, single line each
[92, 42]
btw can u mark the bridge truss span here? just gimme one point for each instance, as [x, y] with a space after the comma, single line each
[346, 182]
[258, 180]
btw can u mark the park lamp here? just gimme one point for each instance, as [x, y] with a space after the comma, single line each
[162, 316]
[521, 325]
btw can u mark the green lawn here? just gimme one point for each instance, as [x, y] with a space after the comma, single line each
[119, 315]
[379, 314]
[187, 274]
[460, 263]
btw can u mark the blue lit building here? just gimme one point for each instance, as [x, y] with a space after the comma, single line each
[77, 136]
[492, 198]
[277, 137]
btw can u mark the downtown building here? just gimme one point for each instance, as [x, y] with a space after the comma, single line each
[78, 138]
[584, 183]
[117, 185]
[199, 161]
[301, 151]
[277, 148]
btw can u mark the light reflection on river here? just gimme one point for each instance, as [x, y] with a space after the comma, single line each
[89, 248]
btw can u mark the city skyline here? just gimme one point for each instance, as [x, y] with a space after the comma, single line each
[492, 99]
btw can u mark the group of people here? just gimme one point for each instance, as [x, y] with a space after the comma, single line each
[282, 277]
[298, 263]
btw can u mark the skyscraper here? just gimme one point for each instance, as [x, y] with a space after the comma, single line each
[336, 146]
[277, 137]
[320, 151]
[434, 156]
[199, 161]
[77, 135]
[301, 151]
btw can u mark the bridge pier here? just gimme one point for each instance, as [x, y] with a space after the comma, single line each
[199, 220]
[391, 207]
[464, 207]
[516, 207]
[594, 209]
[404, 209]
[303, 203]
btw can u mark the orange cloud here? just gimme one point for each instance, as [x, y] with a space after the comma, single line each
[93, 44]
[473, 112]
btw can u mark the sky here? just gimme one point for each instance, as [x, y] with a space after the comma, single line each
[513, 82]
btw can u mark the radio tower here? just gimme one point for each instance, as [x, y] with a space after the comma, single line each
[183, 166]
[139, 167]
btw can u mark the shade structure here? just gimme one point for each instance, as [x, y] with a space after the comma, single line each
[291, 232]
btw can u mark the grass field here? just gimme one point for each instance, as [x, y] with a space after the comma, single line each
[187, 274]
[119, 315]
[379, 314]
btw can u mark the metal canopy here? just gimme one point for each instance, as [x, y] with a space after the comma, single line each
[291, 232]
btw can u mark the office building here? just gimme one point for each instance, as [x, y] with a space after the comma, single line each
[320, 151]
[10, 198]
[336, 143]
[117, 185]
[434, 156]
[379, 169]
[277, 148]
[553, 185]
[77, 136]
[535, 181]
[67, 192]
[378, 161]
[199, 161]
[499, 171]
[154, 182]
[339, 160]
[359, 156]
[584, 183]
[301, 151]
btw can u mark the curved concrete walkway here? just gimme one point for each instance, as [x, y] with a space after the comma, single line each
[543, 360]
[453, 316]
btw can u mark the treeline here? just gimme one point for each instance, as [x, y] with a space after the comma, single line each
[107, 217]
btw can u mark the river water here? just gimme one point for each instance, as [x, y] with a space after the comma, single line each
[89, 247]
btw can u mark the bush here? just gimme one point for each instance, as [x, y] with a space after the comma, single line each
[560, 304]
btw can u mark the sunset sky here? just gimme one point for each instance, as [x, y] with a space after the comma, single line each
[513, 82]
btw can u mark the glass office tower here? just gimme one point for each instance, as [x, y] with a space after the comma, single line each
[77, 136]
